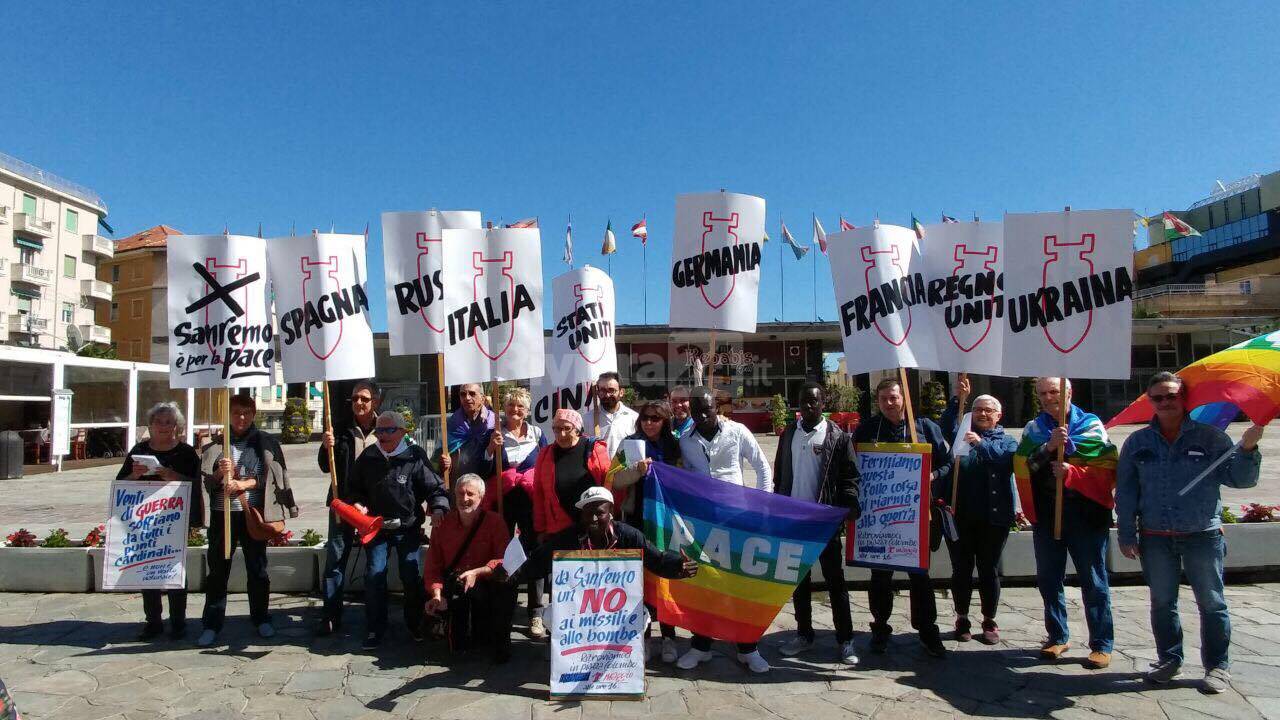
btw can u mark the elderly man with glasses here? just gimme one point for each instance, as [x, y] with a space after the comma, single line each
[394, 480]
[1176, 533]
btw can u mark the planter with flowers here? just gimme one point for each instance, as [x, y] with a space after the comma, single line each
[291, 566]
[55, 564]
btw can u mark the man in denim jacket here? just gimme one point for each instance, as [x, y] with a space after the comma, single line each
[1173, 533]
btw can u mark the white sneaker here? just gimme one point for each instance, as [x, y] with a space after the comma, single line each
[537, 629]
[847, 654]
[266, 630]
[693, 658]
[755, 661]
[795, 646]
[669, 651]
[206, 638]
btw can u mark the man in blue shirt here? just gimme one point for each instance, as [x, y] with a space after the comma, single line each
[1175, 533]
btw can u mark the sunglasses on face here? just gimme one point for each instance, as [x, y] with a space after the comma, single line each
[1163, 398]
[385, 431]
[651, 418]
[359, 399]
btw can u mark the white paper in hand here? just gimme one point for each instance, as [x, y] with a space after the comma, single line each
[633, 451]
[960, 448]
[513, 557]
[150, 462]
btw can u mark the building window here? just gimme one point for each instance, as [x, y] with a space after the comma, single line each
[115, 312]
[69, 266]
[135, 349]
[24, 305]
[68, 313]
[28, 204]
[135, 308]
[115, 273]
[26, 256]
[137, 272]
[73, 221]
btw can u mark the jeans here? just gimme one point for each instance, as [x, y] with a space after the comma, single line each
[255, 568]
[406, 545]
[482, 615]
[924, 607]
[1088, 549]
[153, 608]
[981, 544]
[336, 549]
[832, 562]
[1199, 555]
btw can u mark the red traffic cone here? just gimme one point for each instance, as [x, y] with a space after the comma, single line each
[367, 526]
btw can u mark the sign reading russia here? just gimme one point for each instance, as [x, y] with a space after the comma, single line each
[582, 337]
[411, 250]
[220, 332]
[493, 305]
[146, 542]
[715, 261]
[323, 306]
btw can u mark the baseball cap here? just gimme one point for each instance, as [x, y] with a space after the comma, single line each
[594, 494]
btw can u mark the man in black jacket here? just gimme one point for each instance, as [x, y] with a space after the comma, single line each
[393, 480]
[816, 462]
[348, 440]
[890, 426]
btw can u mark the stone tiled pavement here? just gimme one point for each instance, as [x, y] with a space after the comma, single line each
[71, 657]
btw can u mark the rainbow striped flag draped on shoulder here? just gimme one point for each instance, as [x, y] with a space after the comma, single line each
[752, 548]
[1088, 446]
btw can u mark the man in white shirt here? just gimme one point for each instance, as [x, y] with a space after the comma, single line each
[717, 447]
[617, 421]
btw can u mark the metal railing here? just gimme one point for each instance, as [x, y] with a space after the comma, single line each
[1230, 288]
[32, 224]
[32, 274]
[48, 179]
[27, 324]
[428, 434]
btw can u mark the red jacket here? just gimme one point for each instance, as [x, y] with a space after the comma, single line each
[548, 516]
[486, 548]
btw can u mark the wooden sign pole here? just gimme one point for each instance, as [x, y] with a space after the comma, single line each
[497, 425]
[226, 453]
[1063, 410]
[328, 426]
[906, 404]
[444, 420]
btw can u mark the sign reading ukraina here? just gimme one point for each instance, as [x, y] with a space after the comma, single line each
[492, 305]
[322, 305]
[715, 261]
[411, 250]
[220, 331]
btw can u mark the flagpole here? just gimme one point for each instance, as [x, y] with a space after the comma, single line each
[782, 278]
[644, 252]
[815, 287]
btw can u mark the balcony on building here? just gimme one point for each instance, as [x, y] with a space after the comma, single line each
[32, 225]
[96, 289]
[22, 272]
[99, 245]
[5, 216]
[4, 267]
[26, 324]
[96, 333]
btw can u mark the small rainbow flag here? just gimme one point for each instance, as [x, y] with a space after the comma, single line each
[1244, 377]
[752, 548]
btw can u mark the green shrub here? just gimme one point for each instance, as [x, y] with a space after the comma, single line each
[842, 398]
[934, 401]
[295, 426]
[57, 539]
[195, 538]
[779, 413]
[410, 417]
[310, 537]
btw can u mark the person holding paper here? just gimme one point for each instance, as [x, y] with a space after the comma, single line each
[984, 508]
[890, 426]
[617, 421]
[816, 462]
[1175, 532]
[563, 470]
[519, 442]
[653, 442]
[394, 480]
[348, 440]
[462, 572]
[1088, 477]
[717, 447]
[162, 456]
[469, 429]
[254, 474]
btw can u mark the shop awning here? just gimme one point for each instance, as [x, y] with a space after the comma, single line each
[23, 242]
[24, 292]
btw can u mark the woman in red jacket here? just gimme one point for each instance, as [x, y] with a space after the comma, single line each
[565, 469]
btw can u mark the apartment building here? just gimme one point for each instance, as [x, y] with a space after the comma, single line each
[137, 313]
[49, 255]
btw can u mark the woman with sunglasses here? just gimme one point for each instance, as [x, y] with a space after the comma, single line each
[660, 445]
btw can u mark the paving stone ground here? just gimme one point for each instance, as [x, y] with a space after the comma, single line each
[72, 657]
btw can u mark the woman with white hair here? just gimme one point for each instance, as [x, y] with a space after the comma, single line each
[175, 461]
[984, 508]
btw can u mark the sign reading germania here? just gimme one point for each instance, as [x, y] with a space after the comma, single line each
[715, 261]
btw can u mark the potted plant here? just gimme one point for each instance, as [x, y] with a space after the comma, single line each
[779, 415]
[55, 564]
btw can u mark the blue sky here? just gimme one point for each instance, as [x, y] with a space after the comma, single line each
[200, 115]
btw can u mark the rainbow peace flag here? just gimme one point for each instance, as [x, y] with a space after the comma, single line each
[752, 548]
[1244, 377]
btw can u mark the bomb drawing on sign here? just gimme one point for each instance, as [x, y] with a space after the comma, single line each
[433, 291]
[219, 280]
[320, 282]
[584, 298]
[972, 330]
[1065, 261]
[486, 269]
[886, 262]
[719, 233]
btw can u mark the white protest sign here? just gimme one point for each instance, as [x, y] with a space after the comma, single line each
[493, 305]
[1068, 288]
[582, 330]
[963, 266]
[556, 389]
[415, 288]
[146, 542]
[715, 261]
[322, 305]
[893, 530]
[598, 621]
[220, 330]
[878, 276]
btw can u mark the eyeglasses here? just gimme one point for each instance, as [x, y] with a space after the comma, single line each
[651, 418]
[360, 399]
[1163, 398]
[385, 431]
